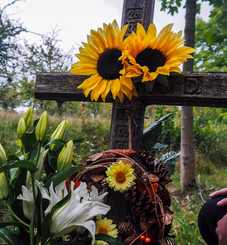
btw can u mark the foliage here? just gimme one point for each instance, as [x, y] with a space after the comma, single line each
[172, 6]
[210, 133]
[9, 58]
[210, 41]
[186, 205]
[34, 169]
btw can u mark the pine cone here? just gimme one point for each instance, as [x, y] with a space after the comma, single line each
[125, 229]
[130, 239]
[165, 197]
[147, 159]
[141, 204]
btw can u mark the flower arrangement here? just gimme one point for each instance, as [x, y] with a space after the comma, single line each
[54, 200]
[115, 64]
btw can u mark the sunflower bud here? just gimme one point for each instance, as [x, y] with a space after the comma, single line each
[21, 128]
[58, 134]
[41, 127]
[28, 117]
[4, 190]
[2, 155]
[65, 157]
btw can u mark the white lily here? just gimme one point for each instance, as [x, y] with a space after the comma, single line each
[28, 199]
[82, 206]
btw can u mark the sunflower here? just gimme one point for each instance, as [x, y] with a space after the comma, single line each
[120, 176]
[148, 54]
[99, 59]
[106, 226]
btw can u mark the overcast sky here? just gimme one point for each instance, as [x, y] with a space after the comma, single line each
[75, 18]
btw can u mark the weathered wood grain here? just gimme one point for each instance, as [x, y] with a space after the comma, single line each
[192, 89]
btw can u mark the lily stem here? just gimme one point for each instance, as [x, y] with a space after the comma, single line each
[31, 229]
[15, 216]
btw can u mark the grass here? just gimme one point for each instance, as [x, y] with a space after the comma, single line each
[185, 205]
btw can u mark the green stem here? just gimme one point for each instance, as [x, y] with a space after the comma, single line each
[15, 216]
[31, 228]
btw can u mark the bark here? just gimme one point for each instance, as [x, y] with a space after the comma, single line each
[187, 170]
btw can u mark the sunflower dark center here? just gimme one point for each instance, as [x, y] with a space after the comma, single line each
[152, 58]
[120, 178]
[108, 65]
[103, 230]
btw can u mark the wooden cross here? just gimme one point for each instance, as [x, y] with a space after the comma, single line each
[188, 89]
[192, 89]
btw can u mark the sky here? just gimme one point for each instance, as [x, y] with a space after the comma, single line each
[75, 18]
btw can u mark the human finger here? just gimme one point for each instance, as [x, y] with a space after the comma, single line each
[223, 202]
[219, 193]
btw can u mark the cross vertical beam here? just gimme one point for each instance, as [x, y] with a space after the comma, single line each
[134, 11]
[128, 118]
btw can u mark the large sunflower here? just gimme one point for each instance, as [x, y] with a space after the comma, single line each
[120, 176]
[99, 59]
[106, 226]
[148, 54]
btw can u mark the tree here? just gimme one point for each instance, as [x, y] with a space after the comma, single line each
[210, 41]
[9, 57]
[45, 56]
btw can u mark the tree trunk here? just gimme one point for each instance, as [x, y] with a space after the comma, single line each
[187, 170]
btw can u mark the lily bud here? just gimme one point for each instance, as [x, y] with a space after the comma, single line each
[65, 157]
[58, 134]
[40, 167]
[21, 128]
[28, 117]
[41, 127]
[4, 189]
[2, 155]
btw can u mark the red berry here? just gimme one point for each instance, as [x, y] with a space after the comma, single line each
[142, 238]
[147, 240]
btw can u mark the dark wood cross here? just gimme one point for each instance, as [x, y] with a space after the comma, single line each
[188, 89]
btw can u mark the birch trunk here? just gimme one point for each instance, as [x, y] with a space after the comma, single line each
[187, 169]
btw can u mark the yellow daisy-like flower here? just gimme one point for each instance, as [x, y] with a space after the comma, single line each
[120, 176]
[106, 226]
[99, 59]
[149, 54]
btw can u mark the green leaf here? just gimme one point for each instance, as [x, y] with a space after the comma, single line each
[60, 177]
[149, 86]
[152, 133]
[19, 164]
[109, 239]
[10, 223]
[11, 237]
[55, 141]
[163, 80]
[28, 140]
[78, 141]
[169, 159]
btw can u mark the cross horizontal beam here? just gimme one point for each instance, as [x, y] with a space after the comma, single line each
[189, 89]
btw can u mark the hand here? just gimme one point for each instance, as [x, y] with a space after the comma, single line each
[219, 193]
[221, 231]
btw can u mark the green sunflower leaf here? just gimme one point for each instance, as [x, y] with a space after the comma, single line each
[163, 80]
